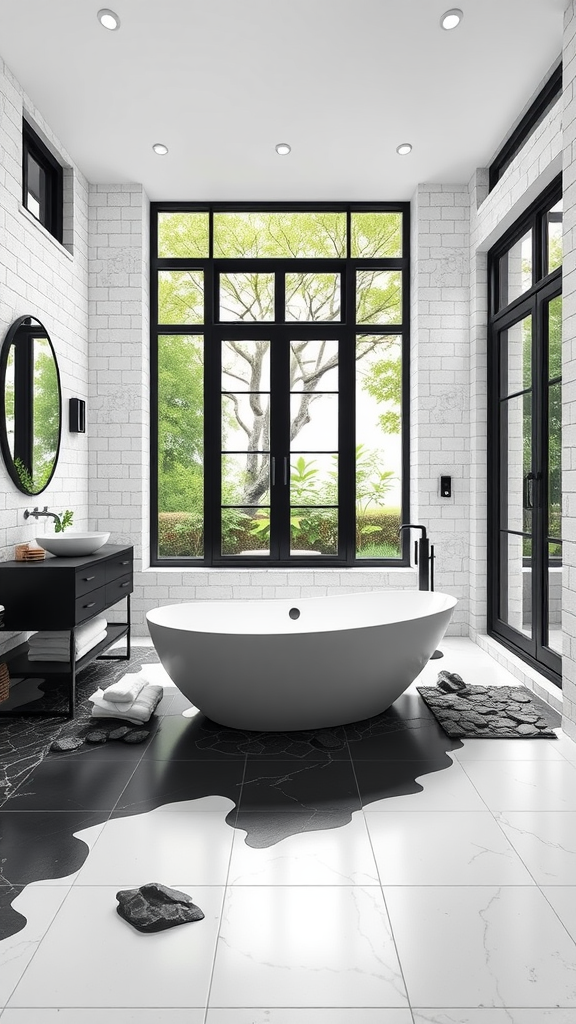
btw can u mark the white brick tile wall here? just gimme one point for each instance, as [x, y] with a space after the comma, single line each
[439, 373]
[42, 278]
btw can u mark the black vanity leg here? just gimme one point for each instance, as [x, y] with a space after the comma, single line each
[72, 682]
[129, 617]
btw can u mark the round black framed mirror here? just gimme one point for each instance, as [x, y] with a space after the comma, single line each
[30, 405]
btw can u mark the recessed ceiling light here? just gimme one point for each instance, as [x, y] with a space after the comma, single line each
[160, 148]
[452, 18]
[283, 149]
[404, 148]
[108, 19]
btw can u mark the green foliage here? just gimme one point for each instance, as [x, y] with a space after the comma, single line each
[183, 235]
[372, 483]
[555, 251]
[280, 235]
[379, 297]
[181, 297]
[379, 551]
[246, 296]
[312, 297]
[64, 520]
[313, 234]
[181, 535]
[376, 235]
[386, 520]
[46, 411]
[180, 424]
[25, 477]
[384, 383]
[29, 484]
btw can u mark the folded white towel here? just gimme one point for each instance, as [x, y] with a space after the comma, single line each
[61, 637]
[126, 690]
[137, 712]
[40, 654]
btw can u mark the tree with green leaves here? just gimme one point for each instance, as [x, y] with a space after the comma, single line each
[249, 297]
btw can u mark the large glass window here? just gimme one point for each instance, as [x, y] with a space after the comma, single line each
[525, 374]
[279, 352]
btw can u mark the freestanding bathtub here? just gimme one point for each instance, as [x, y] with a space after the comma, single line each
[299, 664]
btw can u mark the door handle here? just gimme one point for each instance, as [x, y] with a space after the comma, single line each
[529, 490]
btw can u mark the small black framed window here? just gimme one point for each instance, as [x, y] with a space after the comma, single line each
[42, 182]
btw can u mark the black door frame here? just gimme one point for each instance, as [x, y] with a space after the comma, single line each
[533, 302]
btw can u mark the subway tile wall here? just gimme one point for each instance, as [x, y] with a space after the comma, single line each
[41, 278]
[439, 374]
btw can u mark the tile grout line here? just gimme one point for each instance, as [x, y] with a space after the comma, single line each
[224, 893]
[25, 971]
[381, 887]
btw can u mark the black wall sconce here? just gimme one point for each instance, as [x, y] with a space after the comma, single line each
[77, 414]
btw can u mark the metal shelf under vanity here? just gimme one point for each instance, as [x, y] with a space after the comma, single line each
[61, 594]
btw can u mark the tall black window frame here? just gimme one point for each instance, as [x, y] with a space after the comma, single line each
[533, 305]
[47, 190]
[346, 330]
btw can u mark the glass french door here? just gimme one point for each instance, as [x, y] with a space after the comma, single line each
[527, 581]
[280, 487]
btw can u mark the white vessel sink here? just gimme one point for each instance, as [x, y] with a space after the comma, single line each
[71, 544]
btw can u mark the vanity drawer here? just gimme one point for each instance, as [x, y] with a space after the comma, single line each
[116, 567]
[90, 579]
[90, 604]
[118, 589]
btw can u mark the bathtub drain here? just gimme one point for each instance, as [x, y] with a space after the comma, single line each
[294, 613]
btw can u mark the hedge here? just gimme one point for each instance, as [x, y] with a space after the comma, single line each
[181, 534]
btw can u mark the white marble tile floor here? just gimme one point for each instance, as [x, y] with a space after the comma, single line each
[441, 891]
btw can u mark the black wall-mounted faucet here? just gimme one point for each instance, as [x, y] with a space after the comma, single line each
[36, 513]
[423, 557]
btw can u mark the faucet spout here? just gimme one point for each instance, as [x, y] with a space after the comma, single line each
[36, 513]
[413, 526]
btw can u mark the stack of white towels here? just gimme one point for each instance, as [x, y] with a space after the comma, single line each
[133, 699]
[54, 645]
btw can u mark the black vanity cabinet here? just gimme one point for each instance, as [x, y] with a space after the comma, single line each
[61, 594]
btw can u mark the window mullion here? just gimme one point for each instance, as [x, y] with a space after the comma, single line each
[280, 444]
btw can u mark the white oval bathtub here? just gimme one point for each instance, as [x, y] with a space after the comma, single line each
[250, 665]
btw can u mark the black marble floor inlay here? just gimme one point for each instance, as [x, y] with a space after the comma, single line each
[278, 784]
[37, 845]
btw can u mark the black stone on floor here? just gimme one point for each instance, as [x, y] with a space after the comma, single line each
[154, 907]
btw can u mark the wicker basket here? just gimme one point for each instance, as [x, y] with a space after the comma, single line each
[4, 682]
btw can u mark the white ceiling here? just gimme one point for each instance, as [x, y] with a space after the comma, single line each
[221, 81]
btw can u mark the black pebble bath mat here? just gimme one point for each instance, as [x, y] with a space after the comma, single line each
[472, 712]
